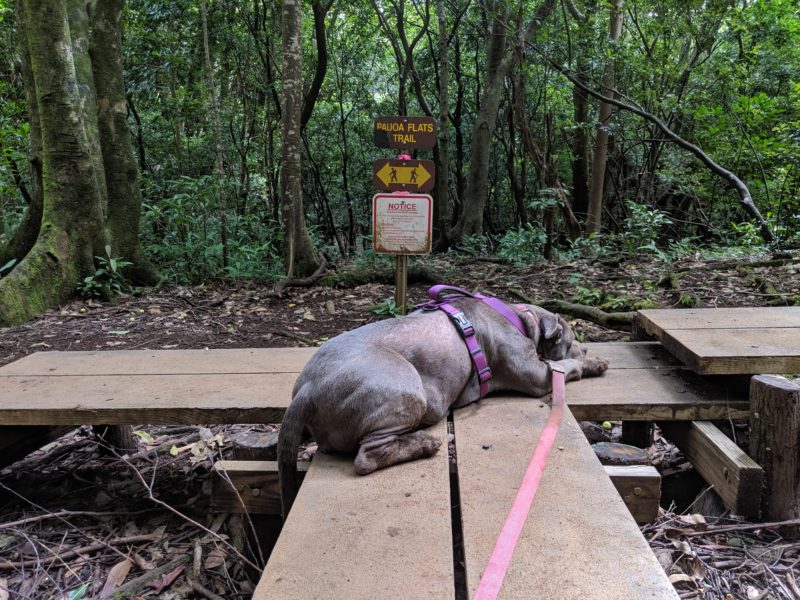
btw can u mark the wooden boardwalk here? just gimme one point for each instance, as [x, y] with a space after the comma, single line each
[724, 341]
[255, 385]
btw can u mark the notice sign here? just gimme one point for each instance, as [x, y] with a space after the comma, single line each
[401, 223]
[405, 132]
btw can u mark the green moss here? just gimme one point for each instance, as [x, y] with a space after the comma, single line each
[644, 305]
[688, 301]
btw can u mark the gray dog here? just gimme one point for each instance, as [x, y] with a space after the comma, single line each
[371, 390]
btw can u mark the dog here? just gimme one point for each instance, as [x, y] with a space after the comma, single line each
[372, 391]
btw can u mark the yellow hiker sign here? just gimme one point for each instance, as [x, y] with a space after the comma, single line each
[409, 175]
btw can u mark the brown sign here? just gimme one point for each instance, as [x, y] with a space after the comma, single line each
[405, 133]
[410, 175]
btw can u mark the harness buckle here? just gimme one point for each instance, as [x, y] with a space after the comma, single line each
[463, 323]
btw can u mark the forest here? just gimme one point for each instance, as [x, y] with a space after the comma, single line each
[181, 141]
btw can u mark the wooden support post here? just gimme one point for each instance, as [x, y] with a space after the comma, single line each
[736, 477]
[640, 488]
[637, 433]
[248, 486]
[401, 283]
[775, 442]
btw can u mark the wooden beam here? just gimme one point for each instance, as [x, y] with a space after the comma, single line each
[736, 477]
[775, 443]
[248, 486]
[640, 488]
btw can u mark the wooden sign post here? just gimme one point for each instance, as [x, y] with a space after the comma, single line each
[402, 219]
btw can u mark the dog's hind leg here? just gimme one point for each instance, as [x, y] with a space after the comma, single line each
[383, 450]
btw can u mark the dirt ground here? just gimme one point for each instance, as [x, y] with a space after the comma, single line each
[76, 520]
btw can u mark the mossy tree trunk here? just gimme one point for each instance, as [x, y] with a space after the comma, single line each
[79, 146]
[119, 165]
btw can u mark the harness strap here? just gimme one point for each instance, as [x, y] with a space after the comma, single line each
[438, 295]
[495, 572]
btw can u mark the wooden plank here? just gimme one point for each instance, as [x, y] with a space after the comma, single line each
[386, 535]
[651, 394]
[579, 541]
[162, 362]
[736, 351]
[640, 489]
[736, 477]
[656, 320]
[248, 486]
[184, 399]
[16, 441]
[641, 384]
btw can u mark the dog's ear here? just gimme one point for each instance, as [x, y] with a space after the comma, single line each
[551, 328]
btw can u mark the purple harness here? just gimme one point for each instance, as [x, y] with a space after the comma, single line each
[465, 328]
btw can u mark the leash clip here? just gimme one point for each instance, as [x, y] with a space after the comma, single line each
[554, 366]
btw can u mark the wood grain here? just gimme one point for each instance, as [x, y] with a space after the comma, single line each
[577, 515]
[736, 477]
[385, 535]
[640, 489]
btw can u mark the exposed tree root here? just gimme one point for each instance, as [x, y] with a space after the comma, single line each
[303, 281]
[352, 278]
[621, 321]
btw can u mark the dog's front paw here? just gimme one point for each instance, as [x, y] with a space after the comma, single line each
[594, 367]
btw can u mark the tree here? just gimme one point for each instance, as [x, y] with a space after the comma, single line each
[600, 156]
[90, 195]
[299, 255]
[498, 62]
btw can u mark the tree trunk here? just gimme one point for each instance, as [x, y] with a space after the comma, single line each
[442, 200]
[121, 176]
[219, 169]
[299, 256]
[600, 158]
[72, 218]
[498, 61]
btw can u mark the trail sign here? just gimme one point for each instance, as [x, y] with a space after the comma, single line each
[401, 223]
[405, 132]
[408, 175]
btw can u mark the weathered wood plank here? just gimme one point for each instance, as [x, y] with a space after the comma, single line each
[736, 477]
[118, 400]
[722, 341]
[640, 489]
[656, 320]
[575, 514]
[386, 535]
[736, 351]
[248, 486]
[641, 384]
[162, 362]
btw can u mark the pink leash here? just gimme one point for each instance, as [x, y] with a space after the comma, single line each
[495, 572]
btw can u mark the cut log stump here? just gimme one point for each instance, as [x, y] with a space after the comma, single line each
[775, 443]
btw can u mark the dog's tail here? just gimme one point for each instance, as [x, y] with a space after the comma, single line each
[289, 438]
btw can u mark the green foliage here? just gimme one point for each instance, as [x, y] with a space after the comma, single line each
[523, 245]
[642, 228]
[6, 268]
[108, 279]
[388, 308]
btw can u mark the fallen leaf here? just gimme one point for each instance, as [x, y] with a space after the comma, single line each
[163, 582]
[752, 593]
[116, 576]
[3, 588]
[143, 564]
[119, 332]
[144, 436]
[215, 559]
[683, 547]
[680, 578]
[695, 519]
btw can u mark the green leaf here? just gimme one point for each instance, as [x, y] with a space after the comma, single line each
[144, 436]
[78, 593]
[119, 332]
